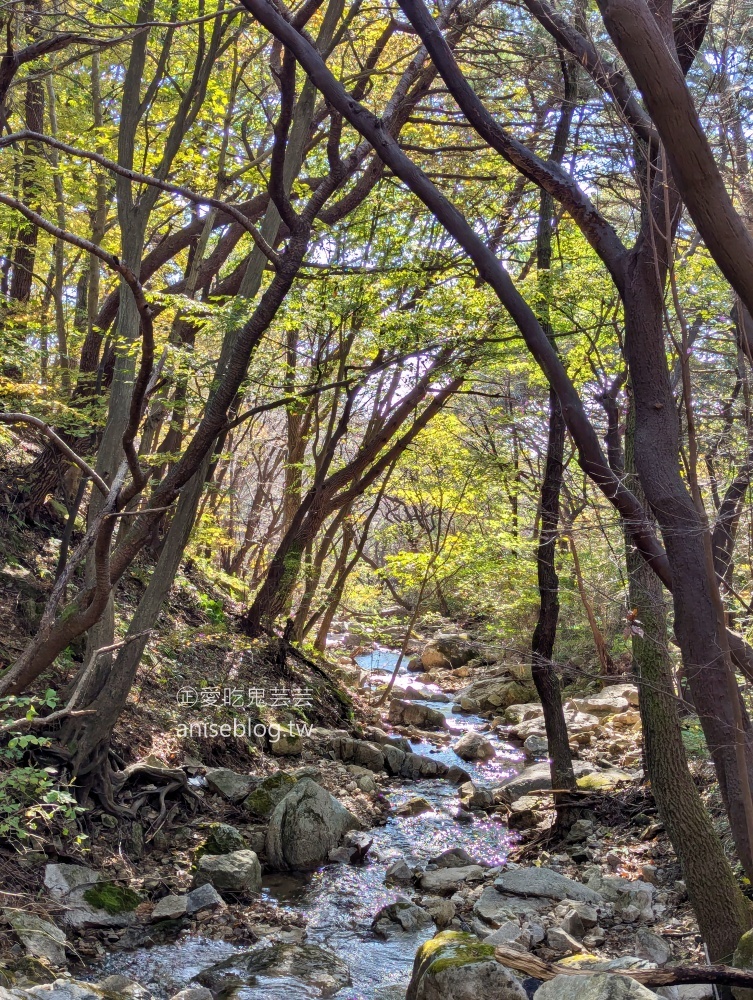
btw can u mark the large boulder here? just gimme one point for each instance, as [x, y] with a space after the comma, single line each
[473, 746]
[494, 694]
[238, 871]
[544, 882]
[87, 899]
[537, 778]
[305, 826]
[267, 793]
[411, 713]
[315, 967]
[457, 966]
[596, 986]
[416, 766]
[446, 652]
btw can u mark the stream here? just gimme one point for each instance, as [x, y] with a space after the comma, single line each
[340, 901]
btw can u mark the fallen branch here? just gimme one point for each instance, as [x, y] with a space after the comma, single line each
[718, 975]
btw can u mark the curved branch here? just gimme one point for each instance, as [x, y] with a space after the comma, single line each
[27, 418]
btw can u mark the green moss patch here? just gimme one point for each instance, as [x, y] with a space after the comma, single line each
[112, 898]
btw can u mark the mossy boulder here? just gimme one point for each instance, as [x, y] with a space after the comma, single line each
[267, 794]
[743, 959]
[112, 898]
[457, 966]
[222, 839]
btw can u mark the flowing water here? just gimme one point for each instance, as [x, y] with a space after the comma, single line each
[340, 901]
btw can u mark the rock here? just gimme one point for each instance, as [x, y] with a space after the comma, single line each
[305, 826]
[604, 781]
[579, 831]
[601, 704]
[310, 964]
[573, 925]
[286, 743]
[87, 899]
[445, 881]
[410, 713]
[625, 895]
[515, 714]
[457, 776]
[493, 693]
[223, 839]
[416, 765]
[544, 882]
[234, 787]
[382, 739]
[170, 908]
[400, 916]
[536, 746]
[524, 813]
[473, 746]
[511, 935]
[561, 942]
[238, 871]
[474, 797]
[40, 938]
[354, 850]
[415, 693]
[597, 986]
[197, 993]
[442, 911]
[398, 873]
[121, 986]
[414, 807]
[493, 909]
[394, 758]
[415, 665]
[654, 948]
[456, 966]
[537, 778]
[743, 959]
[359, 752]
[446, 652]
[268, 793]
[456, 857]
[203, 897]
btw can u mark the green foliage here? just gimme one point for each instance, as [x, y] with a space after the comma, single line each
[212, 608]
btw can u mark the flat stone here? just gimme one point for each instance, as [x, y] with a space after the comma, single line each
[170, 908]
[411, 713]
[68, 885]
[204, 897]
[445, 881]
[544, 882]
[538, 777]
[234, 787]
[39, 937]
[597, 986]
[238, 871]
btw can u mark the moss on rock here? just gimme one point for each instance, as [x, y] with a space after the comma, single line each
[112, 898]
[265, 797]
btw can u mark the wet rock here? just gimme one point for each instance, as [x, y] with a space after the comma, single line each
[409, 713]
[238, 871]
[457, 776]
[474, 797]
[398, 873]
[446, 881]
[234, 787]
[355, 849]
[310, 964]
[40, 938]
[88, 900]
[268, 793]
[456, 857]
[597, 986]
[456, 966]
[417, 766]
[473, 746]
[305, 826]
[544, 882]
[402, 916]
[414, 807]
[358, 752]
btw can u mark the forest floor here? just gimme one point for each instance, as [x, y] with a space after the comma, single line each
[198, 649]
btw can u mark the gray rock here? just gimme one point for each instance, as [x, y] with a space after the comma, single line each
[456, 857]
[655, 948]
[493, 694]
[442, 911]
[305, 826]
[416, 766]
[543, 882]
[124, 987]
[473, 746]
[223, 839]
[561, 942]
[633, 899]
[358, 752]
[268, 793]
[398, 873]
[445, 881]
[234, 787]
[538, 777]
[195, 993]
[416, 806]
[68, 885]
[457, 776]
[238, 871]
[203, 897]
[492, 909]
[170, 908]
[40, 938]
[394, 758]
[511, 935]
[420, 692]
[456, 966]
[597, 986]
[411, 713]
[536, 746]
[402, 916]
[318, 968]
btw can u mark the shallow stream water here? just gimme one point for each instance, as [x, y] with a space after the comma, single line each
[340, 901]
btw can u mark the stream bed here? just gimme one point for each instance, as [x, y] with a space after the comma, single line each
[340, 901]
